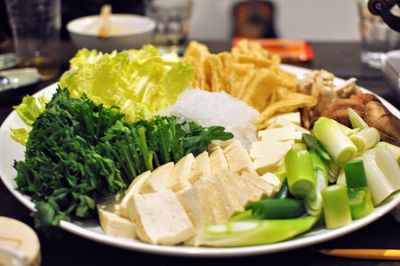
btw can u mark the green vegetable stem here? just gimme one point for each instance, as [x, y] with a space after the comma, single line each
[355, 174]
[336, 206]
[300, 173]
[254, 232]
[277, 209]
[334, 139]
[360, 202]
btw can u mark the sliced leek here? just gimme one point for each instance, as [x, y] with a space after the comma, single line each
[360, 202]
[300, 173]
[378, 184]
[365, 139]
[355, 174]
[336, 206]
[395, 150]
[336, 142]
[388, 165]
[356, 120]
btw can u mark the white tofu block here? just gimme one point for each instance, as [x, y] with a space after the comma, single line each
[190, 201]
[217, 143]
[253, 192]
[180, 173]
[201, 168]
[204, 203]
[279, 134]
[286, 123]
[115, 225]
[240, 192]
[273, 180]
[216, 202]
[159, 179]
[293, 117]
[260, 183]
[134, 187]
[238, 158]
[228, 192]
[160, 218]
[270, 151]
[218, 161]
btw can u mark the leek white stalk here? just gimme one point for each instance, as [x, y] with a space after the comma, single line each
[334, 171]
[365, 139]
[313, 202]
[336, 142]
[388, 165]
[348, 131]
[341, 180]
[300, 173]
[336, 206]
[395, 150]
[356, 120]
[378, 184]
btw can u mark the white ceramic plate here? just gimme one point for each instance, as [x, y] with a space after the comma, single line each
[10, 151]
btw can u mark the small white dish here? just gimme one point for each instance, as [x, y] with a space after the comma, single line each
[127, 31]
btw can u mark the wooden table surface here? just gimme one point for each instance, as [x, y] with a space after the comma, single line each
[64, 248]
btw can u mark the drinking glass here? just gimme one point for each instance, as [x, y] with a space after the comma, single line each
[172, 23]
[36, 27]
[376, 37]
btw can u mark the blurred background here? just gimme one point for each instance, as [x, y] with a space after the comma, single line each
[312, 20]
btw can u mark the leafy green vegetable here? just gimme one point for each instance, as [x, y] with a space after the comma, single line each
[63, 172]
[140, 82]
[30, 108]
[145, 145]
[20, 135]
[79, 152]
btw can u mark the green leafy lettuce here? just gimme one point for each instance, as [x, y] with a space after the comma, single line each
[140, 82]
[30, 108]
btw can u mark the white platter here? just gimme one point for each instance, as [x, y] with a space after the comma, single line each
[10, 151]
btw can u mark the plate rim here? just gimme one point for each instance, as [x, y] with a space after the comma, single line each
[304, 240]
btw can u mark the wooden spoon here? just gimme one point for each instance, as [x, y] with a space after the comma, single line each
[105, 26]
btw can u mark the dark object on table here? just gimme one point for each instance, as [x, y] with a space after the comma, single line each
[290, 51]
[383, 8]
[17, 83]
[254, 19]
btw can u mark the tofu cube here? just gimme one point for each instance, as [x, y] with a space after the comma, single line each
[160, 218]
[201, 168]
[159, 179]
[134, 187]
[180, 173]
[218, 161]
[115, 225]
[238, 158]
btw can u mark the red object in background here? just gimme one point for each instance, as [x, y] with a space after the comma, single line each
[288, 50]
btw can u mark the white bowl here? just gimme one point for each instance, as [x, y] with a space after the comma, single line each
[127, 31]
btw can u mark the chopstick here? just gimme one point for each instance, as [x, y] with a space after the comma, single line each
[104, 30]
[375, 254]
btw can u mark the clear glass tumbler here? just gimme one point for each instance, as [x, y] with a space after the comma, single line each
[376, 37]
[172, 18]
[36, 27]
